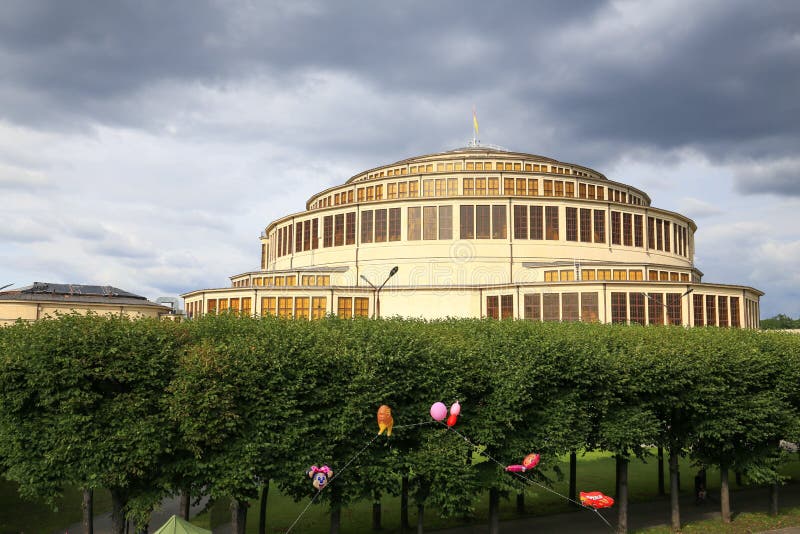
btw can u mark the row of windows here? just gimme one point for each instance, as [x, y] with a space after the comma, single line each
[546, 307]
[452, 166]
[286, 307]
[380, 225]
[646, 308]
[627, 229]
[561, 307]
[583, 226]
[236, 304]
[288, 280]
[194, 309]
[477, 186]
[441, 225]
[481, 222]
[752, 317]
[716, 310]
[568, 275]
[670, 276]
[295, 307]
[634, 308]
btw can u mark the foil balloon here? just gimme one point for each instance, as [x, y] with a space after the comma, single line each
[595, 499]
[531, 461]
[438, 411]
[451, 421]
[319, 475]
[385, 420]
[515, 468]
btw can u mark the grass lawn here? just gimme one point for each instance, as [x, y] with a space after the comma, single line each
[595, 471]
[18, 515]
[742, 524]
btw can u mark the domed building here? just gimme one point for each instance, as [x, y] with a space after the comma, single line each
[483, 232]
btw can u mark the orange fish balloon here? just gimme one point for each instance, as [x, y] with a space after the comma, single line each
[385, 421]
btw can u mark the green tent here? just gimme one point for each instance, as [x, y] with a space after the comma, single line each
[176, 525]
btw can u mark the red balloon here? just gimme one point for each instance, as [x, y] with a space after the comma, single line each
[451, 421]
[531, 461]
[515, 468]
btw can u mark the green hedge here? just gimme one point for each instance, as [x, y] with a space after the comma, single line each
[147, 408]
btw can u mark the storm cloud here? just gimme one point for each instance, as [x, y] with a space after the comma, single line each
[190, 125]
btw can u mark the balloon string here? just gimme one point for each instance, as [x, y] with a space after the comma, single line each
[415, 424]
[338, 472]
[524, 478]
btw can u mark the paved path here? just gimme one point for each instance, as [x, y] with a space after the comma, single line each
[642, 515]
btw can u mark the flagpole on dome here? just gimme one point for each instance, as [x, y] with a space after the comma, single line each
[475, 141]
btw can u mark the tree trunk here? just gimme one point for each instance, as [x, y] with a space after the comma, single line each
[573, 470]
[376, 514]
[336, 508]
[661, 471]
[617, 463]
[336, 520]
[773, 499]
[118, 502]
[724, 495]
[675, 518]
[404, 524]
[87, 508]
[420, 515]
[262, 512]
[185, 505]
[494, 511]
[238, 516]
[622, 496]
[521, 502]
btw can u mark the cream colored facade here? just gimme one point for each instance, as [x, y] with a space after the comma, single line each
[43, 300]
[479, 232]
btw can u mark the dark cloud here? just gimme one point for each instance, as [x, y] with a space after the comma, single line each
[722, 76]
[726, 84]
[779, 177]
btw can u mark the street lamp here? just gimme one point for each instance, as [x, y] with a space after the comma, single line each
[7, 285]
[377, 310]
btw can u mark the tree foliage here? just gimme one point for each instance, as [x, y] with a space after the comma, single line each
[222, 404]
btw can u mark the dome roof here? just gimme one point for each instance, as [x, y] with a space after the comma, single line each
[476, 153]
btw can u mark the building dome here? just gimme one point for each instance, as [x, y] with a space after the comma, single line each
[483, 232]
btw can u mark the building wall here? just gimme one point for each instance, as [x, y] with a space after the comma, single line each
[11, 311]
[477, 233]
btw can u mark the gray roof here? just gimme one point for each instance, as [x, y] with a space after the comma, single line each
[76, 293]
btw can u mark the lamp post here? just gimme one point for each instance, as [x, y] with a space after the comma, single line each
[377, 290]
[7, 285]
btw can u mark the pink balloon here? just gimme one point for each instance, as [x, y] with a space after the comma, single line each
[455, 409]
[515, 468]
[438, 411]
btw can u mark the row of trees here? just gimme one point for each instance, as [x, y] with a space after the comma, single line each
[780, 322]
[222, 405]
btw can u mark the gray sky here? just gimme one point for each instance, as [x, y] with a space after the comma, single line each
[145, 144]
